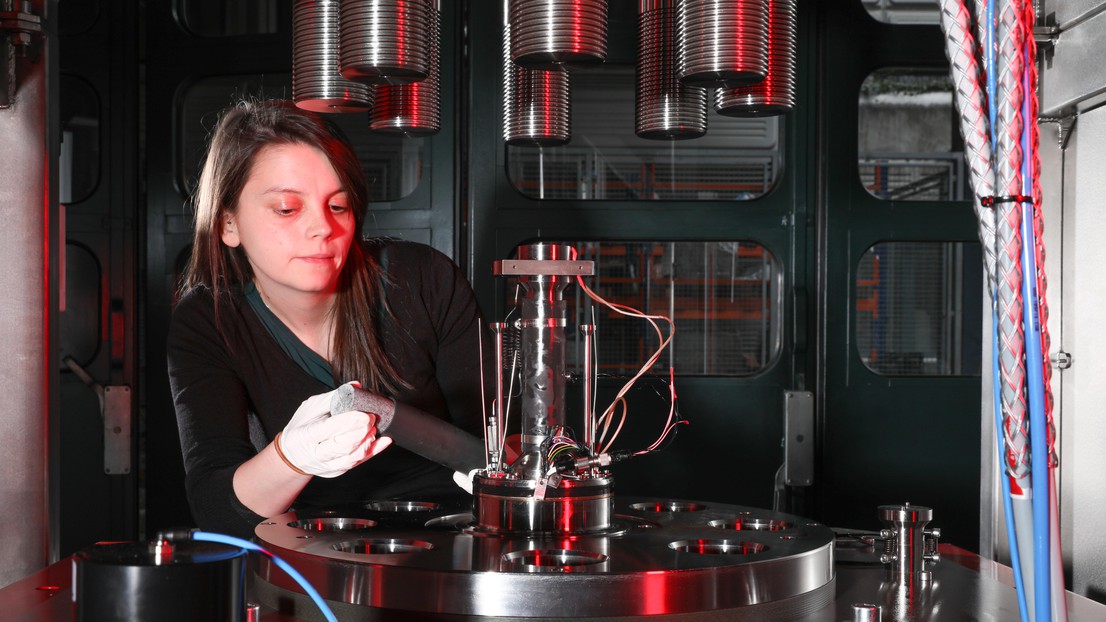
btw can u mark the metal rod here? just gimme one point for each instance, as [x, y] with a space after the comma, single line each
[588, 331]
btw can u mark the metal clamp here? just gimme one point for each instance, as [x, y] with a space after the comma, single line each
[910, 546]
[115, 412]
[19, 30]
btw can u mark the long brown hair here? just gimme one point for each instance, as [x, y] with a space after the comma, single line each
[242, 132]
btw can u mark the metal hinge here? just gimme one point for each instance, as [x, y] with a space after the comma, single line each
[1061, 360]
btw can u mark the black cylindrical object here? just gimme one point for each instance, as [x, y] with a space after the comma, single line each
[168, 582]
[414, 430]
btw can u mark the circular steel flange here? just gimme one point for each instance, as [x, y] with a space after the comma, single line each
[659, 557]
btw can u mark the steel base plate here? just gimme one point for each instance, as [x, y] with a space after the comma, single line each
[659, 557]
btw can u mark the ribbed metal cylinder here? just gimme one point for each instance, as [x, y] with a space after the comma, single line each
[536, 104]
[776, 93]
[665, 108]
[413, 109]
[549, 32]
[384, 41]
[316, 83]
[722, 42]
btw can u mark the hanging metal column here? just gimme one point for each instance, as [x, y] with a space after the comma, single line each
[776, 93]
[413, 109]
[665, 108]
[316, 83]
[384, 41]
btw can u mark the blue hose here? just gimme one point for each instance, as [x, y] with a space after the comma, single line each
[1038, 428]
[1007, 504]
[1015, 557]
[283, 565]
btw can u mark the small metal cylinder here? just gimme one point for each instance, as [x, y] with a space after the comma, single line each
[316, 83]
[866, 612]
[908, 534]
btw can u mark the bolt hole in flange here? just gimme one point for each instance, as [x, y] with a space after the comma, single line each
[751, 524]
[668, 506]
[552, 560]
[333, 525]
[382, 546]
[717, 547]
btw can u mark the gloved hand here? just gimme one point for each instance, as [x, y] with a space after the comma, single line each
[317, 443]
[464, 480]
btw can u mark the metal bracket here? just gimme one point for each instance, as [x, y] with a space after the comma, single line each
[1045, 37]
[20, 30]
[1061, 360]
[115, 412]
[798, 438]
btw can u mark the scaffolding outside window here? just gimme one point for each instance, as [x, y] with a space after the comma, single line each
[724, 298]
[918, 308]
[909, 148]
[738, 158]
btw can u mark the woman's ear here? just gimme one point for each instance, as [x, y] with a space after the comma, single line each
[230, 232]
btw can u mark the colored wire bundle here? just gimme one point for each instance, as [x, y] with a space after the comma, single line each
[619, 402]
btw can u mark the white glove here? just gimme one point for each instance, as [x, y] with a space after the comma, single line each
[464, 480]
[317, 443]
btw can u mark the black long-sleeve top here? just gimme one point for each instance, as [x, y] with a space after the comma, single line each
[222, 380]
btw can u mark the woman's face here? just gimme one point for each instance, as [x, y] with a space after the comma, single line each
[293, 221]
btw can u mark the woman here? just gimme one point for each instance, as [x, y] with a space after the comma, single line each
[282, 303]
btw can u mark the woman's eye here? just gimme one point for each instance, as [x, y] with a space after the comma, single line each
[338, 208]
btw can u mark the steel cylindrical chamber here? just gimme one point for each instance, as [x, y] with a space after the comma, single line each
[543, 272]
[511, 506]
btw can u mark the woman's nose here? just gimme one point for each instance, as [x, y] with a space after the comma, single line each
[322, 223]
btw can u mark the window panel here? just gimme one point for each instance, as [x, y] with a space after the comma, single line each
[908, 144]
[737, 159]
[917, 308]
[722, 296]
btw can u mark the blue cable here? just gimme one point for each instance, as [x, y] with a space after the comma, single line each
[1015, 557]
[1007, 503]
[1038, 428]
[283, 565]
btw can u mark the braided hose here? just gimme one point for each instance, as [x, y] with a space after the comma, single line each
[1038, 236]
[1008, 239]
[970, 105]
